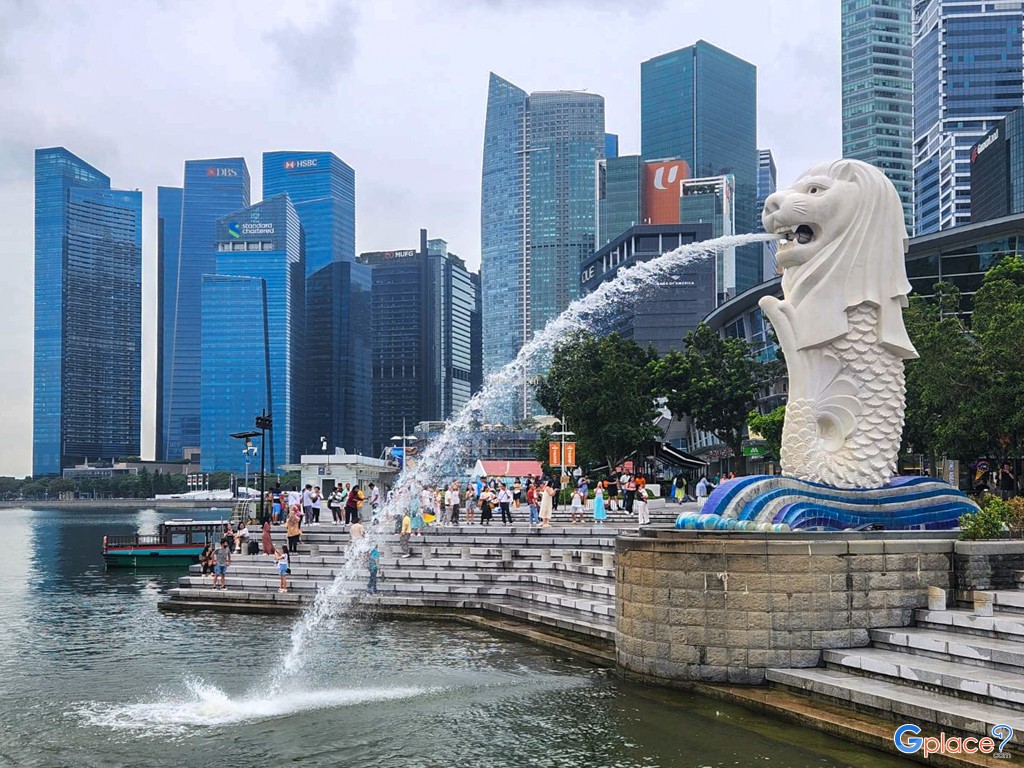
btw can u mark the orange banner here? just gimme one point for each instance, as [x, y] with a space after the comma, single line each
[554, 455]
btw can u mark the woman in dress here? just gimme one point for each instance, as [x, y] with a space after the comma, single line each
[486, 500]
[599, 513]
[546, 494]
[470, 503]
[268, 543]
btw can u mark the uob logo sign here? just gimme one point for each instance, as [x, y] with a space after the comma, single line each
[659, 176]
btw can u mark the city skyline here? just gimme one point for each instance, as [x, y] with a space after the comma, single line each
[414, 173]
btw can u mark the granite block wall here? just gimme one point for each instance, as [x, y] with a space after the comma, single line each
[723, 607]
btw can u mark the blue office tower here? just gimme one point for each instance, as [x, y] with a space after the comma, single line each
[323, 189]
[213, 189]
[337, 371]
[537, 208]
[700, 104]
[611, 145]
[968, 75]
[168, 241]
[252, 330]
[88, 315]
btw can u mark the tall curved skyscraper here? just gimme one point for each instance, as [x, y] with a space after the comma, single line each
[537, 209]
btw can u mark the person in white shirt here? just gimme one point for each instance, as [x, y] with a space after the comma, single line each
[643, 517]
[451, 504]
[307, 503]
[505, 504]
[374, 497]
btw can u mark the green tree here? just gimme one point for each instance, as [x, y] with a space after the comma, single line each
[715, 382]
[944, 375]
[965, 393]
[769, 426]
[60, 485]
[603, 388]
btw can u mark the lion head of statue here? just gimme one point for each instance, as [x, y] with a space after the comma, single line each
[843, 244]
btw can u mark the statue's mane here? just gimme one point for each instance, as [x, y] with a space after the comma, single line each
[864, 263]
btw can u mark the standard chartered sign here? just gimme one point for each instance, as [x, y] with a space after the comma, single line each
[257, 228]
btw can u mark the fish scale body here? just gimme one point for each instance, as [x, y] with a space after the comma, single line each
[866, 458]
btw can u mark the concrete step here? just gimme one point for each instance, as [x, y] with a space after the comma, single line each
[546, 594]
[485, 568]
[1005, 626]
[900, 702]
[990, 686]
[568, 621]
[947, 645]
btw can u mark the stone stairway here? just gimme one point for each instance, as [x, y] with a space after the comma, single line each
[561, 579]
[956, 670]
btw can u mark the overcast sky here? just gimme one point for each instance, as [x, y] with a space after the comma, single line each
[395, 88]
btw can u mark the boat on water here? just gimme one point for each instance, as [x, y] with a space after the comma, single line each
[176, 542]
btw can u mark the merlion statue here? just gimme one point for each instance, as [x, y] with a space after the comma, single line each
[840, 324]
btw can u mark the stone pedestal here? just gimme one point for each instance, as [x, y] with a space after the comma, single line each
[723, 607]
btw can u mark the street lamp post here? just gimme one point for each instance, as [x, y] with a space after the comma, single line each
[248, 452]
[263, 423]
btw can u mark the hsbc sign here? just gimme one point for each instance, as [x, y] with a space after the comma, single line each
[214, 171]
[307, 163]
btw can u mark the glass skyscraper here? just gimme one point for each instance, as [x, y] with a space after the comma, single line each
[337, 314]
[213, 189]
[252, 334]
[537, 208]
[968, 75]
[878, 88]
[168, 241]
[699, 103]
[426, 347]
[323, 189]
[88, 315]
[337, 370]
[619, 196]
[767, 183]
[997, 170]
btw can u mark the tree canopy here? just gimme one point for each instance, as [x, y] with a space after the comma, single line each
[965, 394]
[602, 387]
[716, 382]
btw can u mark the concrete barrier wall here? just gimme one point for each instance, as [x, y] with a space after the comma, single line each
[723, 607]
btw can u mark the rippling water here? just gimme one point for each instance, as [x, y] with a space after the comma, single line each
[94, 675]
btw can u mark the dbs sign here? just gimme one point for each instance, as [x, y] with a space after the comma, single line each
[661, 191]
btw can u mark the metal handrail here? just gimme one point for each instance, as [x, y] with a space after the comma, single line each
[134, 539]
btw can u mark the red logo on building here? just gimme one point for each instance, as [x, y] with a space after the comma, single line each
[211, 171]
[289, 164]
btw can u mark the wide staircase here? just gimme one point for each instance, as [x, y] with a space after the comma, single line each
[560, 580]
[958, 670]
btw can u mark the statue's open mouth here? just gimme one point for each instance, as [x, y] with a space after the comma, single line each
[803, 234]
